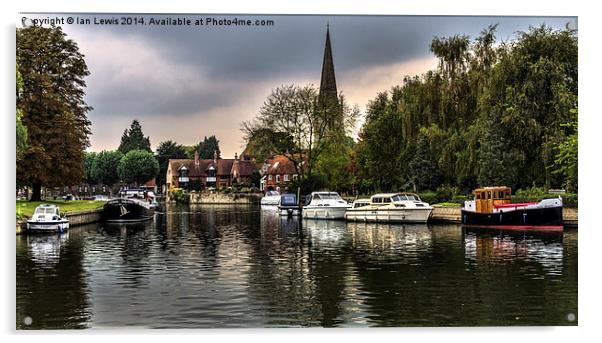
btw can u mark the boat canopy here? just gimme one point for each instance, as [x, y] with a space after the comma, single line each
[288, 200]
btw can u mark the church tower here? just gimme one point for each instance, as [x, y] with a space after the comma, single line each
[328, 83]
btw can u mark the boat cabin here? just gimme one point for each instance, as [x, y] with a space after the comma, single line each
[50, 211]
[361, 203]
[288, 200]
[489, 197]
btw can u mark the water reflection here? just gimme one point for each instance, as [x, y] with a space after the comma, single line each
[52, 287]
[241, 266]
[499, 247]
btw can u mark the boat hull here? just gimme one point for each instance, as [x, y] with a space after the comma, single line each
[414, 215]
[548, 218]
[324, 212]
[126, 211]
[48, 226]
[289, 211]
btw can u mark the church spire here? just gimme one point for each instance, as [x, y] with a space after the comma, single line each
[328, 83]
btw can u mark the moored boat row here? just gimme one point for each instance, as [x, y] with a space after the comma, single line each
[491, 207]
[385, 207]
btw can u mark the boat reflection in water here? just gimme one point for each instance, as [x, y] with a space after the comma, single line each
[409, 240]
[490, 247]
[46, 248]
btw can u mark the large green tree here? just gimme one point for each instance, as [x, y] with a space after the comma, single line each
[53, 108]
[137, 166]
[134, 139]
[300, 127]
[21, 129]
[105, 166]
[168, 150]
[209, 148]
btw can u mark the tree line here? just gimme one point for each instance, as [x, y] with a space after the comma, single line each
[487, 115]
[135, 163]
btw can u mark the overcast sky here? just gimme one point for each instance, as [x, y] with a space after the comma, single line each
[184, 83]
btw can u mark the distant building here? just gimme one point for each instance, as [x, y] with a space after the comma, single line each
[216, 173]
[277, 173]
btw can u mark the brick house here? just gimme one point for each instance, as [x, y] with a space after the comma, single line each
[216, 173]
[277, 172]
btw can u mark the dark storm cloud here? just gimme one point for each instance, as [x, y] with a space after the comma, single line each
[295, 43]
[198, 71]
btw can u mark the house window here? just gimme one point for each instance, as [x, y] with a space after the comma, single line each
[269, 177]
[86, 189]
[93, 189]
[295, 176]
[277, 178]
[79, 189]
[104, 189]
[286, 178]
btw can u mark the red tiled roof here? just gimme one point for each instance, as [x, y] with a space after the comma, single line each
[280, 164]
[243, 168]
[223, 166]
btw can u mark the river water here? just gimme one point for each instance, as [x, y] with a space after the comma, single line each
[239, 266]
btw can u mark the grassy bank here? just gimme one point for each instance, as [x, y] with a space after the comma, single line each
[26, 208]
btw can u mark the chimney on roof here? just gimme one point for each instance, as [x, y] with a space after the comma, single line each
[196, 158]
[236, 157]
[214, 156]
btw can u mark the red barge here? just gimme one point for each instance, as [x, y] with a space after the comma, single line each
[492, 208]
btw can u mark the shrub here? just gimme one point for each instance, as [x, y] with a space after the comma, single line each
[179, 196]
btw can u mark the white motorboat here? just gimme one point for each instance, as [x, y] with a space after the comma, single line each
[47, 218]
[325, 205]
[390, 208]
[271, 198]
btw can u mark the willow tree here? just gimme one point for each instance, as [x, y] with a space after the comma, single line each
[53, 108]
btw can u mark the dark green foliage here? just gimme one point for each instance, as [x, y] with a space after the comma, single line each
[89, 158]
[499, 164]
[53, 109]
[209, 148]
[21, 129]
[423, 168]
[488, 115]
[133, 139]
[137, 166]
[566, 161]
[190, 150]
[105, 167]
[168, 150]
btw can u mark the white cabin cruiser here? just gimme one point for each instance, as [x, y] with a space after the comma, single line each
[47, 218]
[390, 208]
[325, 205]
[271, 198]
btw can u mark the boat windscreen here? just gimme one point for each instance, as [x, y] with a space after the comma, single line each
[45, 210]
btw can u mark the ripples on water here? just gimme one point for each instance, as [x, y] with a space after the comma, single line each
[224, 266]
